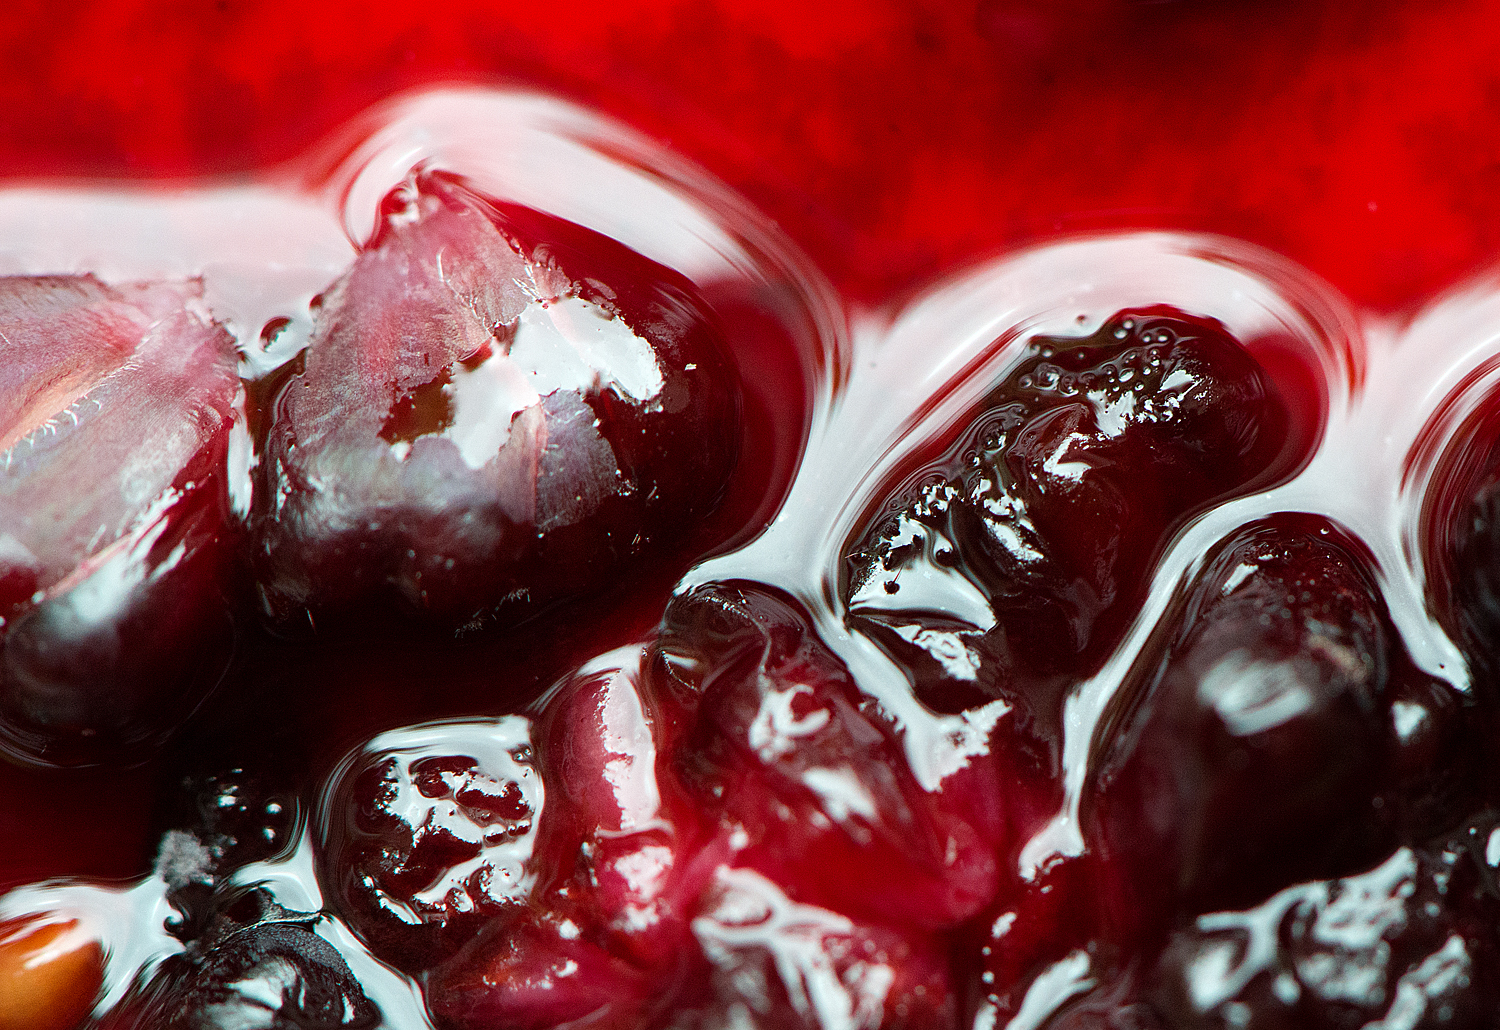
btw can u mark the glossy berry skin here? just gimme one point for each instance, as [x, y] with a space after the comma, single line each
[117, 549]
[779, 963]
[429, 834]
[622, 860]
[496, 410]
[1411, 941]
[731, 838]
[1473, 574]
[1461, 541]
[784, 752]
[1274, 729]
[1011, 565]
[632, 847]
[1047, 919]
[541, 972]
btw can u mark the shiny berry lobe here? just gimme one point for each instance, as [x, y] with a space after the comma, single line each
[496, 410]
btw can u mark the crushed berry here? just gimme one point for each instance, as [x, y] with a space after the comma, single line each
[1010, 566]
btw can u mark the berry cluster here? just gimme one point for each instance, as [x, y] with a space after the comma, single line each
[580, 797]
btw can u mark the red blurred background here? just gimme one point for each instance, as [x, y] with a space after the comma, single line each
[893, 139]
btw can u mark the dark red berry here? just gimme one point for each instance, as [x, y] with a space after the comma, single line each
[1460, 523]
[627, 843]
[1411, 942]
[496, 410]
[1038, 924]
[1262, 736]
[739, 816]
[116, 544]
[779, 963]
[1011, 565]
[606, 937]
[428, 835]
[538, 973]
[805, 774]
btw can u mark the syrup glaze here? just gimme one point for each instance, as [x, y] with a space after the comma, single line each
[841, 400]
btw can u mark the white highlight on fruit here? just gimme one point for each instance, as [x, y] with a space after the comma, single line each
[947, 648]
[574, 342]
[840, 792]
[1066, 978]
[1246, 945]
[1009, 519]
[565, 344]
[1252, 696]
[753, 917]
[774, 731]
[1112, 414]
[625, 732]
[644, 870]
[500, 870]
[484, 401]
[1071, 470]
[1346, 920]
[1407, 717]
[1355, 917]
[1443, 969]
[1242, 572]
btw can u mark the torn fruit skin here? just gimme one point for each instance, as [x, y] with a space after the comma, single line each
[496, 410]
[117, 547]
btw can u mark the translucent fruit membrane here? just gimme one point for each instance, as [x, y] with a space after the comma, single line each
[1057, 626]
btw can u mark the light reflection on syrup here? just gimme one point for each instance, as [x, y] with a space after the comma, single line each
[264, 251]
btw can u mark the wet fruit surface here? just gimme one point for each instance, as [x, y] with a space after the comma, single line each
[495, 411]
[1010, 567]
[780, 747]
[1410, 940]
[430, 836]
[115, 582]
[1259, 743]
[1112, 648]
